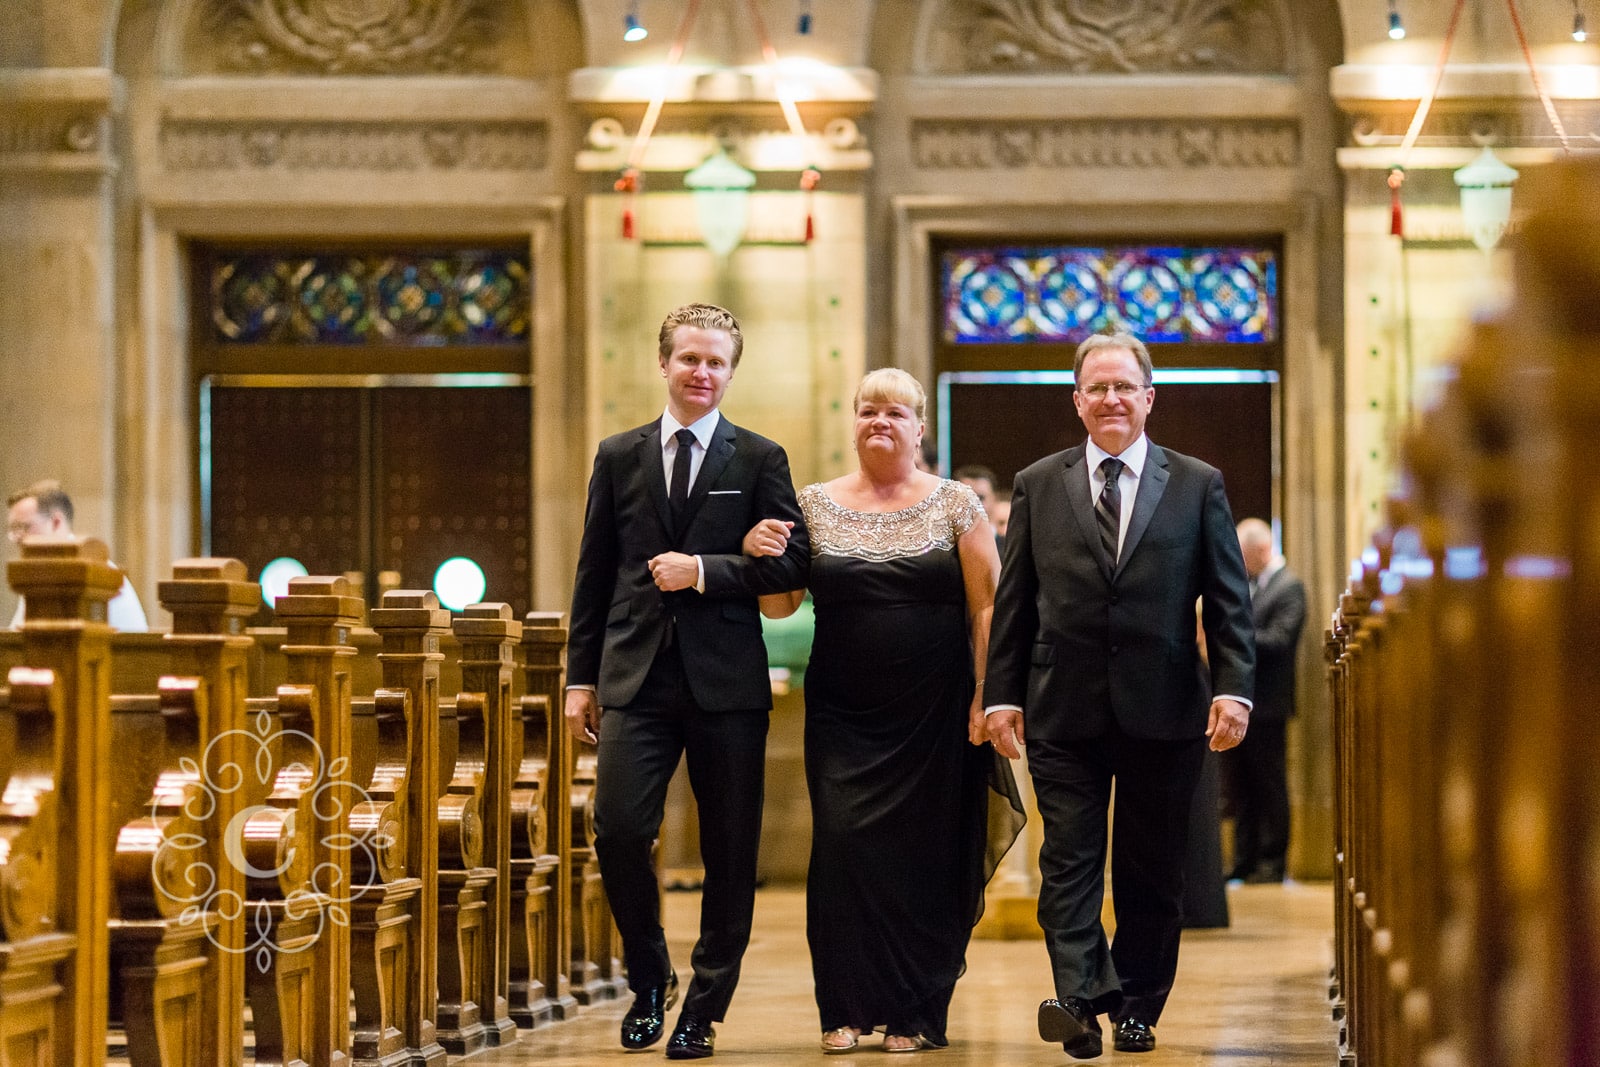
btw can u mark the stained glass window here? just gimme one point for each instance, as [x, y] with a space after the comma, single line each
[1164, 295]
[454, 298]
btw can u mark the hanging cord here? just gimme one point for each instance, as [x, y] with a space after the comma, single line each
[1533, 72]
[811, 176]
[632, 176]
[1397, 173]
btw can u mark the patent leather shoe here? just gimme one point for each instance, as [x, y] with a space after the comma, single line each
[643, 1024]
[1133, 1035]
[692, 1038]
[1071, 1021]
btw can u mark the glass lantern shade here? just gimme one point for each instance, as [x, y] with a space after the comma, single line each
[722, 201]
[1486, 198]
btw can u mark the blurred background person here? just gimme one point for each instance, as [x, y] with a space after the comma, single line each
[1257, 779]
[981, 480]
[43, 509]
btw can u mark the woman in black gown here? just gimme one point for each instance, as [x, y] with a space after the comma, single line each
[903, 574]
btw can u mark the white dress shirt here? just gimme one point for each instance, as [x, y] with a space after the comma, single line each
[123, 611]
[702, 429]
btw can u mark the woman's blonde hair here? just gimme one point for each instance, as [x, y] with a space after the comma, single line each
[891, 385]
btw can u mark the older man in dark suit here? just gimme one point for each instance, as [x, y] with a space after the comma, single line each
[1093, 659]
[1256, 777]
[666, 660]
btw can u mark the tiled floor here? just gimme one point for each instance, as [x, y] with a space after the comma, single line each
[1254, 994]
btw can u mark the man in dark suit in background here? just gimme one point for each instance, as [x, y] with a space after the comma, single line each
[1255, 770]
[1093, 647]
[666, 659]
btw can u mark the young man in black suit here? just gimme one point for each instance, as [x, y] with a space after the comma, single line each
[1093, 647]
[665, 659]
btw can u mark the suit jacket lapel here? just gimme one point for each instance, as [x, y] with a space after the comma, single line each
[655, 479]
[1082, 505]
[717, 456]
[1152, 483]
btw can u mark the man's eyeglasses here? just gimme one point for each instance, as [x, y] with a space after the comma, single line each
[1098, 390]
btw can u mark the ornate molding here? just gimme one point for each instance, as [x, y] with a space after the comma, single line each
[1095, 143]
[340, 37]
[350, 146]
[57, 121]
[1109, 36]
[1477, 123]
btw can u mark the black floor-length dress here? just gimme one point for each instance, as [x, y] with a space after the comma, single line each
[901, 847]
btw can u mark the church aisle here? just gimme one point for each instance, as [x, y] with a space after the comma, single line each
[1253, 994]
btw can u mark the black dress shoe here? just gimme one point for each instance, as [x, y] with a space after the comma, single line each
[643, 1024]
[692, 1038]
[1133, 1035]
[1072, 1022]
[1265, 874]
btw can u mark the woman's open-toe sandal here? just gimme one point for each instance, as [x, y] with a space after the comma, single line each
[842, 1039]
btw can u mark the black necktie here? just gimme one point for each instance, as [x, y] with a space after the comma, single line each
[1108, 509]
[678, 491]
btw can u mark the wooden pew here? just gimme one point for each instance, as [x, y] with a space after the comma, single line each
[209, 599]
[464, 882]
[400, 863]
[37, 951]
[542, 846]
[319, 613]
[410, 624]
[1463, 664]
[164, 913]
[67, 583]
[488, 636]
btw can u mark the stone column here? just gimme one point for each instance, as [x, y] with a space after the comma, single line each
[58, 414]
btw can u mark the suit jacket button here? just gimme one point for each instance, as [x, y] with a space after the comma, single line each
[1114, 598]
[1113, 650]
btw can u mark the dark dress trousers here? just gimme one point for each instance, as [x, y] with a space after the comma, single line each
[1103, 661]
[681, 674]
[1257, 778]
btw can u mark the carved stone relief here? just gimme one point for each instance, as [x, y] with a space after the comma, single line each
[1103, 143]
[1109, 37]
[352, 37]
[349, 146]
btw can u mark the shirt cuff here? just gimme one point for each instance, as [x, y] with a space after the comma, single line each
[1249, 704]
[585, 688]
[1001, 707]
[700, 575]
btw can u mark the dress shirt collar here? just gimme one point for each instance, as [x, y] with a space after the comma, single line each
[703, 427]
[1269, 570]
[1132, 457]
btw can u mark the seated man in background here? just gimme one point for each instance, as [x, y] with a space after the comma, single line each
[43, 509]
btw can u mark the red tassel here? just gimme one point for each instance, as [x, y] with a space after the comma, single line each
[810, 178]
[628, 186]
[1396, 178]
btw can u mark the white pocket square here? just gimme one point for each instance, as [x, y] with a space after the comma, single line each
[724, 492]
